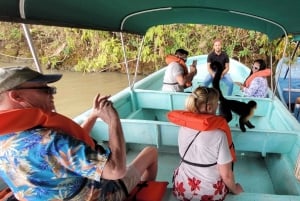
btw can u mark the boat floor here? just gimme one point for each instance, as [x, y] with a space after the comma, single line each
[250, 171]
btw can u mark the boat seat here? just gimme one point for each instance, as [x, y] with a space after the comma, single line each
[257, 140]
[175, 101]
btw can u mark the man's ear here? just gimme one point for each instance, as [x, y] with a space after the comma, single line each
[15, 96]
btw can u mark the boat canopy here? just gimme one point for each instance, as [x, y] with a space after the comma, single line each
[275, 18]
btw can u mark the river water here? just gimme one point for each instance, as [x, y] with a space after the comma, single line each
[76, 90]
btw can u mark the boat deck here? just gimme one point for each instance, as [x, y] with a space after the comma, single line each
[250, 171]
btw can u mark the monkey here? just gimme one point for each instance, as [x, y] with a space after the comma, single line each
[226, 106]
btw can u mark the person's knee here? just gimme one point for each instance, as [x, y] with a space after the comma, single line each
[151, 151]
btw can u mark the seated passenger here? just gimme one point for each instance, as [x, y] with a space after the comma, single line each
[205, 171]
[256, 84]
[177, 77]
[46, 156]
[222, 57]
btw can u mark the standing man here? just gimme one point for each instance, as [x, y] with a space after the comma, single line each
[218, 55]
[177, 77]
[46, 156]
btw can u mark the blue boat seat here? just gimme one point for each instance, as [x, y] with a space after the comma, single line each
[175, 101]
[148, 124]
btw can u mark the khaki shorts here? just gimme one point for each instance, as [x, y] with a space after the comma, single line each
[132, 178]
[91, 191]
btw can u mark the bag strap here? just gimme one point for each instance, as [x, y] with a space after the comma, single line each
[182, 158]
[191, 163]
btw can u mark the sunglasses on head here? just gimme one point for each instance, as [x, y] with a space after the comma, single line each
[182, 58]
[45, 89]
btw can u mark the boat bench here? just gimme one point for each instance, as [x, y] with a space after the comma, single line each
[152, 99]
[264, 142]
[149, 125]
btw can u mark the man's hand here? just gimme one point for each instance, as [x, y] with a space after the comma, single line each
[193, 69]
[103, 108]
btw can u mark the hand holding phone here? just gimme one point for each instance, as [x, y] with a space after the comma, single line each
[194, 67]
[194, 63]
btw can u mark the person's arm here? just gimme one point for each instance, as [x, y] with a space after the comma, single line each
[210, 71]
[88, 124]
[226, 69]
[228, 178]
[254, 85]
[225, 166]
[115, 167]
[183, 79]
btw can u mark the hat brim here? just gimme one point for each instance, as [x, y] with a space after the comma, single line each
[49, 78]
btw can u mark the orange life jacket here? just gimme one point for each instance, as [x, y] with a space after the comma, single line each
[23, 119]
[261, 73]
[173, 58]
[202, 122]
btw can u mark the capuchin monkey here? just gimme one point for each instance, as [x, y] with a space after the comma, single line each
[226, 107]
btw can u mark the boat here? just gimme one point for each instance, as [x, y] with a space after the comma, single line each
[272, 146]
[288, 82]
[268, 165]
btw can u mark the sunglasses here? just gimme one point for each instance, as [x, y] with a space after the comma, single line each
[255, 67]
[46, 89]
[182, 58]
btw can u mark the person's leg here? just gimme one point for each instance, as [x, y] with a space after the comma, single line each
[228, 81]
[207, 80]
[142, 168]
[146, 163]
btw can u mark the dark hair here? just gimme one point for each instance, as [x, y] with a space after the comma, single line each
[262, 64]
[182, 51]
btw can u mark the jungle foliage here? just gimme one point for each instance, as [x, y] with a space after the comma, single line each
[94, 51]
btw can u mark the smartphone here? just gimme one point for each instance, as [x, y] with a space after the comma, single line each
[194, 62]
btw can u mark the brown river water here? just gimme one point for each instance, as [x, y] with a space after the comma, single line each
[76, 90]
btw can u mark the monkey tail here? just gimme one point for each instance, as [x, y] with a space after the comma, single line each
[216, 83]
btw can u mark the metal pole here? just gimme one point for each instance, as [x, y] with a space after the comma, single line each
[31, 46]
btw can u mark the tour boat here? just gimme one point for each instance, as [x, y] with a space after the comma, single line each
[268, 164]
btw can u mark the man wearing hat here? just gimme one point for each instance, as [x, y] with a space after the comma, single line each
[46, 156]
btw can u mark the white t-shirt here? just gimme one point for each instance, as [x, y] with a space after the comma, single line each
[208, 147]
[169, 82]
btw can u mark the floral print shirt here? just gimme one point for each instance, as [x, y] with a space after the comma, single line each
[257, 88]
[41, 164]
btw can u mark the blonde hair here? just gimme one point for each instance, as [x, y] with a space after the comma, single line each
[201, 96]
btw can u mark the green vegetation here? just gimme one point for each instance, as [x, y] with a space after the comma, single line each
[90, 50]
